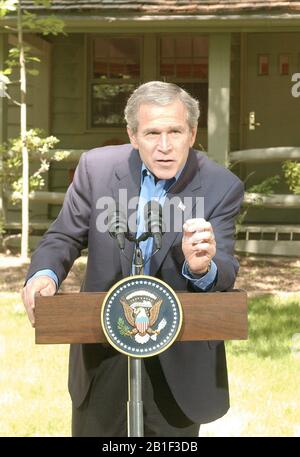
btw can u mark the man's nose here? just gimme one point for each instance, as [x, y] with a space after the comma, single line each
[164, 142]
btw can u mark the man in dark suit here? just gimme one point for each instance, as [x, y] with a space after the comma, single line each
[187, 384]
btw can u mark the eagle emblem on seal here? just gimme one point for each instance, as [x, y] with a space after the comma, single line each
[141, 309]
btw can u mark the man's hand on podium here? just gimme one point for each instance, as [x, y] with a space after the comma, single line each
[198, 245]
[43, 285]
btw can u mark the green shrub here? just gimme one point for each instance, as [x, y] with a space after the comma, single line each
[291, 171]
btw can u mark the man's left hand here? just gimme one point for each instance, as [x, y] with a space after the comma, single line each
[198, 245]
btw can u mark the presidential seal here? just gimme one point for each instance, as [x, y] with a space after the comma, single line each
[141, 316]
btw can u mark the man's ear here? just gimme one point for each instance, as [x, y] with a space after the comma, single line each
[132, 138]
[193, 136]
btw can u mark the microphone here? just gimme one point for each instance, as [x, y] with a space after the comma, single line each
[117, 227]
[154, 222]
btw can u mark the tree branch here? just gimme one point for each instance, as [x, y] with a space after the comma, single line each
[11, 99]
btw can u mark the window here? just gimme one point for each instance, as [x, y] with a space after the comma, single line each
[263, 64]
[184, 61]
[115, 72]
[284, 64]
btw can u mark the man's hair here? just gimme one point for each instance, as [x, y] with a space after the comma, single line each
[162, 94]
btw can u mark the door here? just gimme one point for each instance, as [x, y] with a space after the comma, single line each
[271, 113]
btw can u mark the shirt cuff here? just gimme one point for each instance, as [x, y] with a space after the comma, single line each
[45, 272]
[206, 281]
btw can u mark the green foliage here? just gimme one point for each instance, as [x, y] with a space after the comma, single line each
[45, 26]
[38, 149]
[6, 6]
[266, 187]
[123, 328]
[2, 226]
[291, 172]
[30, 23]
[13, 61]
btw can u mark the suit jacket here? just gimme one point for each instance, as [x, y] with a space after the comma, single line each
[195, 371]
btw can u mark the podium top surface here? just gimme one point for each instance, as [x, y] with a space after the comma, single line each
[75, 318]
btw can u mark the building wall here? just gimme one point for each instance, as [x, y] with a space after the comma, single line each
[68, 106]
[69, 100]
[269, 96]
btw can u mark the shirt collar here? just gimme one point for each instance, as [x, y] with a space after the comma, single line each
[171, 181]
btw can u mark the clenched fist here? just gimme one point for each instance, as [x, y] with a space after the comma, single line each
[198, 245]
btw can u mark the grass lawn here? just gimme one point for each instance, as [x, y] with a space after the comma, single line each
[33, 379]
[263, 375]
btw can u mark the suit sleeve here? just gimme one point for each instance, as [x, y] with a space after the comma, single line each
[68, 234]
[222, 219]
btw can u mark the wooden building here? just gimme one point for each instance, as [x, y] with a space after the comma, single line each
[241, 59]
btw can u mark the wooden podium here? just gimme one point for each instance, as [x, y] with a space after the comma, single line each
[75, 318]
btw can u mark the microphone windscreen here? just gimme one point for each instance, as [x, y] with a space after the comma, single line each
[154, 221]
[153, 217]
[117, 227]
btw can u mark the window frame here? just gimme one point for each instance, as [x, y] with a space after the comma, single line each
[156, 37]
[177, 80]
[90, 80]
[187, 80]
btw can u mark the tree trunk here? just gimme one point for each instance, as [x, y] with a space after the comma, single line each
[25, 161]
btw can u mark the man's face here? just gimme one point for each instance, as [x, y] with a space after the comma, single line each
[163, 138]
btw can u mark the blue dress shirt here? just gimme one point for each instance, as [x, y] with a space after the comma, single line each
[45, 272]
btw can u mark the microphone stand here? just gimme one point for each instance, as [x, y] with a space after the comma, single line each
[135, 418]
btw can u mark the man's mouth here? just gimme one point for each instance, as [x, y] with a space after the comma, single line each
[165, 161]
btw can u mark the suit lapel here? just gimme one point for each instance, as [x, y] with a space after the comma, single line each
[126, 189]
